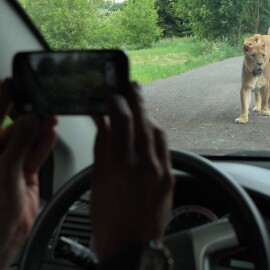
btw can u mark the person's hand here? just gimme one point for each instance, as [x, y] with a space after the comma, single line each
[132, 185]
[24, 146]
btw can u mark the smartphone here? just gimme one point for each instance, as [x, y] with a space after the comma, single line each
[68, 82]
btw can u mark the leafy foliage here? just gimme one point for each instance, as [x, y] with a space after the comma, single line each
[135, 24]
[111, 5]
[69, 24]
[172, 23]
[225, 18]
[65, 24]
[139, 23]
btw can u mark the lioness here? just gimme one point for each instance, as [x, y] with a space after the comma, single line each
[261, 39]
[255, 78]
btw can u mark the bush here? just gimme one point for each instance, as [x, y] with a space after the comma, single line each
[139, 24]
[225, 18]
[80, 24]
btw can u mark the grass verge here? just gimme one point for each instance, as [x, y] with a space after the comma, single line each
[175, 56]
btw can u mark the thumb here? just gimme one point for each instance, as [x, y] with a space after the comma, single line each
[23, 137]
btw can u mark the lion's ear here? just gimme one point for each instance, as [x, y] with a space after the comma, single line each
[262, 44]
[259, 39]
[246, 48]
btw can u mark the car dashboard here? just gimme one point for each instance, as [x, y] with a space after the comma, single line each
[194, 204]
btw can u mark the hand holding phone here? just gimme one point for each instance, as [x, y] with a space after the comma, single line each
[68, 82]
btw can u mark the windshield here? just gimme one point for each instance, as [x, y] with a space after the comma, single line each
[188, 55]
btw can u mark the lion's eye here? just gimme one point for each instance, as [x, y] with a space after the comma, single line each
[253, 55]
[263, 55]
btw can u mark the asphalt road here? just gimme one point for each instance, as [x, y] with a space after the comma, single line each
[198, 108]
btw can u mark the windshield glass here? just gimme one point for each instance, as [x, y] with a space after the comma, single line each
[188, 55]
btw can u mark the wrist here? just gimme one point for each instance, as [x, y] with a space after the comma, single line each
[110, 244]
[150, 255]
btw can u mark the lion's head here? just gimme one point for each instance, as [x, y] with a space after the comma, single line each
[255, 57]
[256, 39]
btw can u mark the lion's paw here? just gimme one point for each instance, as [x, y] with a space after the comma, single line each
[265, 112]
[241, 120]
[256, 109]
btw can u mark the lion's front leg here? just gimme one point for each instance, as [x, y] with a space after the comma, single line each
[265, 96]
[245, 102]
[258, 101]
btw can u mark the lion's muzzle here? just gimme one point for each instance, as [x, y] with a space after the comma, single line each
[257, 72]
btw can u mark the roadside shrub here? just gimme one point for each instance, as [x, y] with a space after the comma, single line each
[138, 21]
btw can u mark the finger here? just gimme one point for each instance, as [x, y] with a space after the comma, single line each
[144, 135]
[23, 137]
[101, 142]
[43, 146]
[162, 149]
[122, 137]
[164, 158]
[5, 100]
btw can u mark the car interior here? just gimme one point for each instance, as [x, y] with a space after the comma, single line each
[221, 201]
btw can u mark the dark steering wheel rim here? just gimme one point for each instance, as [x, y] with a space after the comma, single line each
[181, 160]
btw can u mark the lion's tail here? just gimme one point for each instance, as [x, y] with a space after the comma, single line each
[268, 31]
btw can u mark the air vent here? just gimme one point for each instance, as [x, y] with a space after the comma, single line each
[76, 226]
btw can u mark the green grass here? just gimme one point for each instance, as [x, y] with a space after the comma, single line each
[176, 56]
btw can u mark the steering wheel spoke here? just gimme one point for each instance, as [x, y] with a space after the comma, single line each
[192, 249]
[211, 238]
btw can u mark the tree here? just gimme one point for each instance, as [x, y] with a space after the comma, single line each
[224, 18]
[139, 21]
[69, 24]
[110, 5]
[259, 11]
[169, 20]
[66, 24]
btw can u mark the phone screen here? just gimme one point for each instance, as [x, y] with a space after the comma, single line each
[70, 82]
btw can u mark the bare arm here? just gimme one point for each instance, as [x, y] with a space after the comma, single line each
[24, 146]
[133, 184]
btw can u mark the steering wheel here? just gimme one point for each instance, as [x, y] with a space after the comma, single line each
[196, 245]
